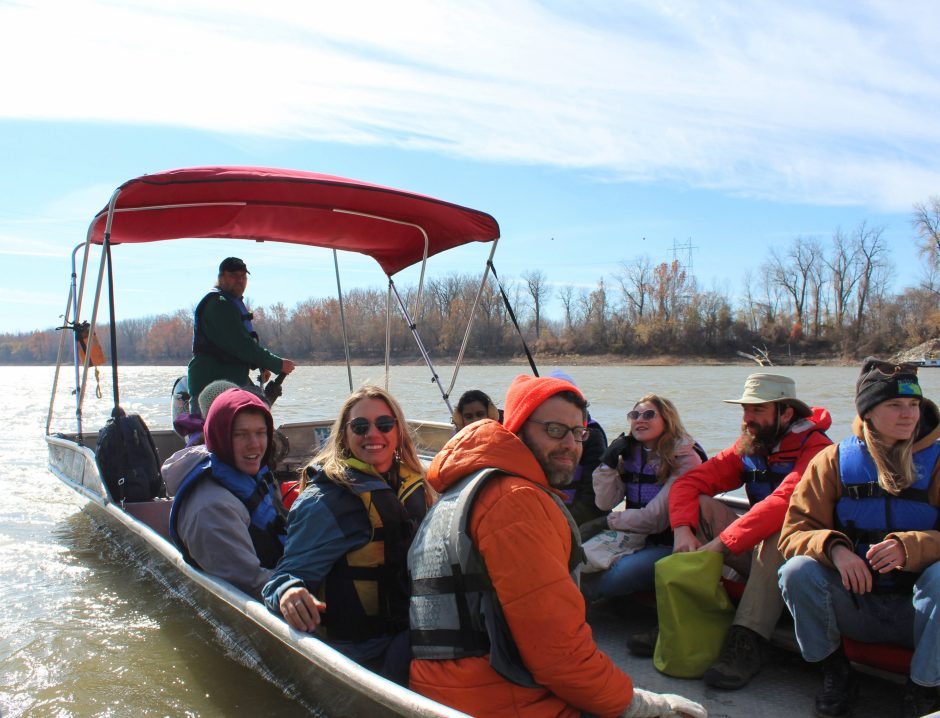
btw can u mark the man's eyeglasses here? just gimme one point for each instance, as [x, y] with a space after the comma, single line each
[557, 430]
[360, 426]
[645, 415]
[474, 415]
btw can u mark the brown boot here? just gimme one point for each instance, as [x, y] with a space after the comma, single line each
[742, 656]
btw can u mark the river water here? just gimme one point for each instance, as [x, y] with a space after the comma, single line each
[83, 633]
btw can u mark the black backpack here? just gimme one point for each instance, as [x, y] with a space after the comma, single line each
[128, 460]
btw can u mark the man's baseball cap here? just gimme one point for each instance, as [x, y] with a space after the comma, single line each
[233, 264]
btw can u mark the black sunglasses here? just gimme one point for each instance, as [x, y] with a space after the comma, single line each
[360, 426]
[645, 415]
[557, 430]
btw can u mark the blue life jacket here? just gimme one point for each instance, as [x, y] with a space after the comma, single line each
[202, 344]
[571, 490]
[866, 513]
[761, 476]
[267, 528]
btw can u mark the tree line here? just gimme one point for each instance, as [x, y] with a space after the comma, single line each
[810, 298]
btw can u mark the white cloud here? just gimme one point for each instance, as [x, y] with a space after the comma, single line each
[798, 101]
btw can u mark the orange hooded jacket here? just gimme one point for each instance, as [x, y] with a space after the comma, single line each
[525, 542]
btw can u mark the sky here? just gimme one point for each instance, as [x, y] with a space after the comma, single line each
[594, 132]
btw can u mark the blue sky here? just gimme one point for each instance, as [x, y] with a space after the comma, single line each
[594, 132]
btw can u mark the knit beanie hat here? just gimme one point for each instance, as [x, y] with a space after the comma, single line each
[212, 390]
[526, 393]
[881, 380]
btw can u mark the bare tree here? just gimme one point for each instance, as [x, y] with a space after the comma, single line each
[635, 279]
[872, 248]
[793, 270]
[566, 295]
[537, 285]
[844, 272]
[926, 221]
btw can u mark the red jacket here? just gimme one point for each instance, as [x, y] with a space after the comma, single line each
[525, 541]
[723, 473]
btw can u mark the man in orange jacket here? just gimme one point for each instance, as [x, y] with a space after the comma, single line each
[497, 620]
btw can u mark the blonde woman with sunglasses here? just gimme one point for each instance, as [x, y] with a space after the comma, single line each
[348, 535]
[639, 468]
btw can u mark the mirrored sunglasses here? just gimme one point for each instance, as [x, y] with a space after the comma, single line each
[645, 415]
[360, 426]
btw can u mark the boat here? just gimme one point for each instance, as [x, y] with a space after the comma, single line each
[395, 228]
[398, 229]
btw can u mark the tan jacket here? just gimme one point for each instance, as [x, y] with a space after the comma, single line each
[808, 526]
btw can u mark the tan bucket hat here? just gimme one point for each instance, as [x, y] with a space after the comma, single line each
[763, 388]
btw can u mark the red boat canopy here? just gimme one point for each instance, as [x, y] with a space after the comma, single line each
[277, 205]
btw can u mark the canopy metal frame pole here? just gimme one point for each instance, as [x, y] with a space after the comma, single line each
[388, 332]
[435, 379]
[94, 312]
[424, 235]
[71, 311]
[473, 314]
[342, 318]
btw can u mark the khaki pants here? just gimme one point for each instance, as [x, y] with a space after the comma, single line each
[761, 604]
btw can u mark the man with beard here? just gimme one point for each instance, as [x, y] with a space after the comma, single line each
[779, 436]
[497, 619]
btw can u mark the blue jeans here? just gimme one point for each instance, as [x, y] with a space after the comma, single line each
[824, 611]
[632, 573]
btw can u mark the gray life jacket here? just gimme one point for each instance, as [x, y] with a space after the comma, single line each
[454, 611]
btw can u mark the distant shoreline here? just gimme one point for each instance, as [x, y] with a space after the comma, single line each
[540, 360]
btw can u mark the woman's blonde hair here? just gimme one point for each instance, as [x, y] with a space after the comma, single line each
[674, 433]
[894, 461]
[331, 458]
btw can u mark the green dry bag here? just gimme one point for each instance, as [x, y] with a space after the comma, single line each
[694, 613]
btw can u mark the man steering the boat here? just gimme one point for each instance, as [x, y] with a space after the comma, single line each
[497, 619]
[779, 436]
[225, 344]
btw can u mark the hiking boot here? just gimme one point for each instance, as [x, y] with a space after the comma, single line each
[839, 687]
[917, 700]
[643, 644]
[741, 657]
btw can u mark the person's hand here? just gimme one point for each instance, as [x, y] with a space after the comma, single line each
[287, 366]
[590, 529]
[852, 568]
[265, 375]
[684, 539]
[646, 704]
[886, 556]
[716, 545]
[614, 451]
[300, 609]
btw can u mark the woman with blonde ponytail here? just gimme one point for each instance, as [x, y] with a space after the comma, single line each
[862, 539]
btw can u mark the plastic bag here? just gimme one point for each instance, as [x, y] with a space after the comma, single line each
[602, 550]
[694, 613]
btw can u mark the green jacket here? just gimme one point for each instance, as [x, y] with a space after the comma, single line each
[222, 323]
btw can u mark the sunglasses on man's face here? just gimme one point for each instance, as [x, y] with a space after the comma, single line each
[645, 415]
[360, 426]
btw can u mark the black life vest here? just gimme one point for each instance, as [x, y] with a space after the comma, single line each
[202, 344]
[367, 589]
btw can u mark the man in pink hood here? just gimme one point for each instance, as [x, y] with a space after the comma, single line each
[226, 516]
